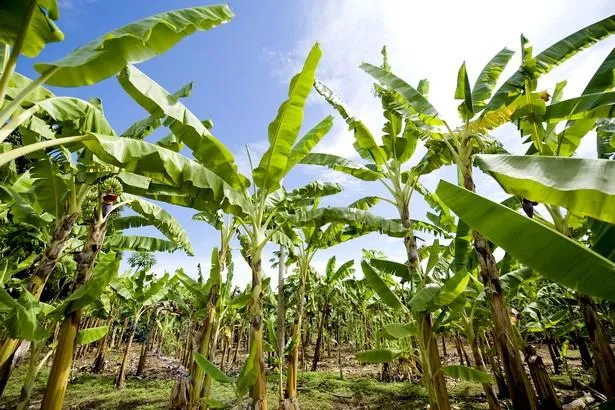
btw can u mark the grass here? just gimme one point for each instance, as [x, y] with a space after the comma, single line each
[317, 391]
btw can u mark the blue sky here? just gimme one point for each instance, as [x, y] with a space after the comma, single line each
[241, 72]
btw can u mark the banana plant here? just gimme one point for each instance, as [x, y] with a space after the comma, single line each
[548, 176]
[140, 292]
[211, 297]
[257, 213]
[386, 164]
[481, 111]
[325, 289]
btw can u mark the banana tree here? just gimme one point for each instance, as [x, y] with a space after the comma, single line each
[481, 112]
[327, 286]
[210, 298]
[581, 198]
[140, 292]
[387, 164]
[257, 214]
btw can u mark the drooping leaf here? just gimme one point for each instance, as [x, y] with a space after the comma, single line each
[380, 287]
[211, 369]
[399, 330]
[363, 220]
[106, 267]
[452, 288]
[133, 43]
[365, 144]
[283, 130]
[467, 373]
[139, 243]
[582, 186]
[393, 268]
[42, 29]
[551, 254]
[342, 165]
[92, 334]
[193, 184]
[409, 93]
[377, 356]
[424, 299]
[185, 125]
[161, 219]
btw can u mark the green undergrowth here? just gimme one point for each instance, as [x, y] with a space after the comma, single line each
[317, 391]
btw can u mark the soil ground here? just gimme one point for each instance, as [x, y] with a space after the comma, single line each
[359, 389]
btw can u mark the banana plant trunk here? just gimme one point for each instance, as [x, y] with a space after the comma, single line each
[120, 379]
[521, 391]
[258, 392]
[603, 355]
[547, 398]
[495, 366]
[492, 398]
[36, 285]
[433, 377]
[63, 359]
[321, 327]
[99, 361]
[290, 393]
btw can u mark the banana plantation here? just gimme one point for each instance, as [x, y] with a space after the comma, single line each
[506, 304]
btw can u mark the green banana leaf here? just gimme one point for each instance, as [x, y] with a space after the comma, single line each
[399, 330]
[602, 80]
[192, 183]
[107, 265]
[394, 268]
[284, 129]
[380, 287]
[377, 356]
[161, 219]
[21, 320]
[92, 334]
[551, 57]
[582, 186]
[186, 127]
[363, 220]
[452, 288]
[42, 29]
[342, 165]
[464, 92]
[316, 189]
[73, 114]
[128, 222]
[467, 373]
[144, 127]
[18, 82]
[139, 243]
[305, 145]
[585, 106]
[551, 254]
[211, 369]
[410, 95]
[488, 78]
[365, 144]
[133, 43]
[249, 372]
